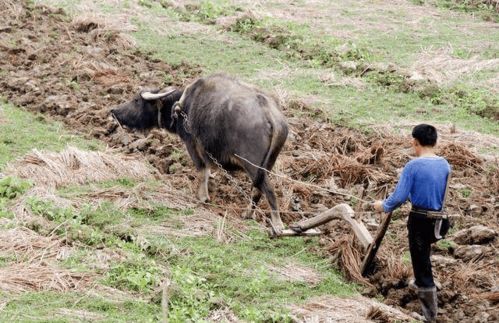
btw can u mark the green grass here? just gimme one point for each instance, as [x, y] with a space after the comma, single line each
[485, 9]
[387, 98]
[48, 306]
[206, 274]
[10, 189]
[446, 244]
[215, 55]
[21, 131]
[350, 106]
[237, 275]
[296, 56]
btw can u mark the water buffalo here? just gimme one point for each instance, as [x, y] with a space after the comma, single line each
[219, 119]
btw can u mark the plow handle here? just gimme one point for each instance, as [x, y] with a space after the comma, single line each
[374, 246]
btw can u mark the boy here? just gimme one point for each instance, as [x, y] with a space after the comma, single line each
[423, 181]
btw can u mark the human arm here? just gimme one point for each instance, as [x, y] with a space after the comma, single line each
[402, 190]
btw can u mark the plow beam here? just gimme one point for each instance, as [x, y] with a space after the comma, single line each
[340, 211]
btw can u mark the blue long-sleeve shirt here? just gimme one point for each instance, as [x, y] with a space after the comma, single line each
[423, 181]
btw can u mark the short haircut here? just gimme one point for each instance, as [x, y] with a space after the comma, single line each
[425, 134]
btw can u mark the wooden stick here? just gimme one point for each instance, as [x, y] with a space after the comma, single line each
[340, 211]
[374, 246]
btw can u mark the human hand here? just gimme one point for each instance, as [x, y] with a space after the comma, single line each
[378, 206]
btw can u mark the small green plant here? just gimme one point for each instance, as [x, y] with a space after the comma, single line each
[406, 258]
[244, 25]
[48, 210]
[446, 244]
[4, 211]
[210, 10]
[145, 3]
[191, 301]
[465, 192]
[11, 187]
[139, 275]
[391, 80]
[475, 101]
[74, 85]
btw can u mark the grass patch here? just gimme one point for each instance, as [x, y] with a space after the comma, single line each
[486, 9]
[388, 98]
[22, 131]
[347, 106]
[210, 274]
[295, 40]
[139, 275]
[57, 307]
[446, 244]
[11, 188]
[205, 11]
[236, 56]
[206, 274]
[475, 101]
[101, 224]
[78, 190]
[77, 225]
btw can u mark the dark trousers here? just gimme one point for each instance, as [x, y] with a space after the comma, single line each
[421, 236]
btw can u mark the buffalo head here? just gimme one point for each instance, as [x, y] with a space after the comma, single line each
[148, 109]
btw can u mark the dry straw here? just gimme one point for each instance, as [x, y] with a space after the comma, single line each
[11, 7]
[75, 166]
[349, 258]
[25, 244]
[23, 277]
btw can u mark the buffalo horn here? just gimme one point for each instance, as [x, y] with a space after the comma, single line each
[155, 96]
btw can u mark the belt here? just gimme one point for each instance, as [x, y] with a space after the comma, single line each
[438, 216]
[430, 214]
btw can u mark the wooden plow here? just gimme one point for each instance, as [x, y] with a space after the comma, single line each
[345, 212]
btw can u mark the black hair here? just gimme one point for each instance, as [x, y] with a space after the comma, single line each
[425, 134]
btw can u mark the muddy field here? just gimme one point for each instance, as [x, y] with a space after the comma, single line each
[76, 70]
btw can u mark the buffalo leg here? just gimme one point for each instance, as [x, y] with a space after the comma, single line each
[264, 187]
[250, 211]
[204, 176]
[202, 167]
[277, 224]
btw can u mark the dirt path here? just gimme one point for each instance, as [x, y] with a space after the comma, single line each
[75, 71]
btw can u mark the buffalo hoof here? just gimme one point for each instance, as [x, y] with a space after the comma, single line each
[205, 199]
[276, 229]
[203, 196]
[249, 215]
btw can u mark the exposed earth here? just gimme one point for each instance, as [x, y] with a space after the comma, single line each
[76, 71]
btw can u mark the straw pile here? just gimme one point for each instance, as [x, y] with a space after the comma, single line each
[41, 276]
[443, 67]
[26, 244]
[11, 7]
[33, 267]
[74, 166]
[460, 157]
[348, 258]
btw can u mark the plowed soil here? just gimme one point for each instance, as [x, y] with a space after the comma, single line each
[76, 71]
